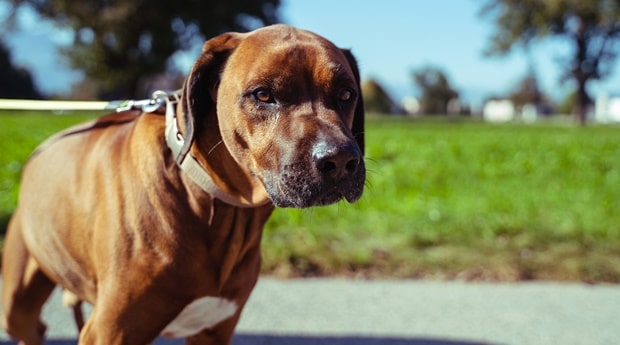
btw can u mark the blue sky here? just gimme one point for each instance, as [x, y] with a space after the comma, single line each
[389, 38]
[394, 37]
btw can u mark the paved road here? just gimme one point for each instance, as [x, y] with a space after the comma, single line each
[352, 312]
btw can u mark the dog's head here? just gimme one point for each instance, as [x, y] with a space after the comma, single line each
[282, 107]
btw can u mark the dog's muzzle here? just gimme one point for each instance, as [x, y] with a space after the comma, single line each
[331, 173]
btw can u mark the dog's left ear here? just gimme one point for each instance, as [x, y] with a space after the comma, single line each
[200, 88]
[359, 115]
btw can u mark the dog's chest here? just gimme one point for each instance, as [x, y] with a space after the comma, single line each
[202, 313]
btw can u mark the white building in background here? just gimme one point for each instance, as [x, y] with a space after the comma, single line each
[411, 105]
[607, 109]
[502, 110]
[529, 113]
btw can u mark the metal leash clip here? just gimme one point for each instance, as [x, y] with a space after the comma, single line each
[156, 103]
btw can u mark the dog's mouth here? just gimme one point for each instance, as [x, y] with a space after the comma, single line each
[300, 187]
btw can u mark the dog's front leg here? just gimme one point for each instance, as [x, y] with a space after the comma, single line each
[126, 316]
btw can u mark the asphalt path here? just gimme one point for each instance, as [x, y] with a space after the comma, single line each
[383, 312]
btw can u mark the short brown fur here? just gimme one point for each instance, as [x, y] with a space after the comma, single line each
[106, 213]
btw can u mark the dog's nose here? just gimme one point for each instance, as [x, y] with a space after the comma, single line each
[336, 161]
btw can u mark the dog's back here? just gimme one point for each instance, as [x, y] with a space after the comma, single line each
[63, 193]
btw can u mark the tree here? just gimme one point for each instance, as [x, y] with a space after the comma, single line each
[15, 82]
[377, 99]
[593, 28]
[527, 91]
[118, 43]
[436, 91]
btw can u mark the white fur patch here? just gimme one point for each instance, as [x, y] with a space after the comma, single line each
[202, 313]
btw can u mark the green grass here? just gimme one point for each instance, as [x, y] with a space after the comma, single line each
[444, 200]
[470, 201]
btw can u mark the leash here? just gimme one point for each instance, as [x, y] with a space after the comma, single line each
[32, 104]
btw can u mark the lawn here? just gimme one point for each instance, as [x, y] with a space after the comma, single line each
[444, 200]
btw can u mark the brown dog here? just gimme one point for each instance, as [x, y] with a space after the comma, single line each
[159, 226]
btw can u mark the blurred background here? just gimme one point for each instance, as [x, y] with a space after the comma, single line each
[451, 193]
[439, 57]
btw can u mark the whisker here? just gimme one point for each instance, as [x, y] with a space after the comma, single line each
[214, 147]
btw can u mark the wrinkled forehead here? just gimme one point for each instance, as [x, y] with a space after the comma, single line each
[286, 52]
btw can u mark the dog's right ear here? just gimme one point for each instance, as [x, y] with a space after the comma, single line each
[200, 88]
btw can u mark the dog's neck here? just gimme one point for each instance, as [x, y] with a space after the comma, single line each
[180, 145]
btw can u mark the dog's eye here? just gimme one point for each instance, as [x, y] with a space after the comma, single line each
[264, 95]
[345, 95]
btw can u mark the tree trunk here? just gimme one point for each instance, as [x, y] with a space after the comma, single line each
[581, 72]
[582, 102]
